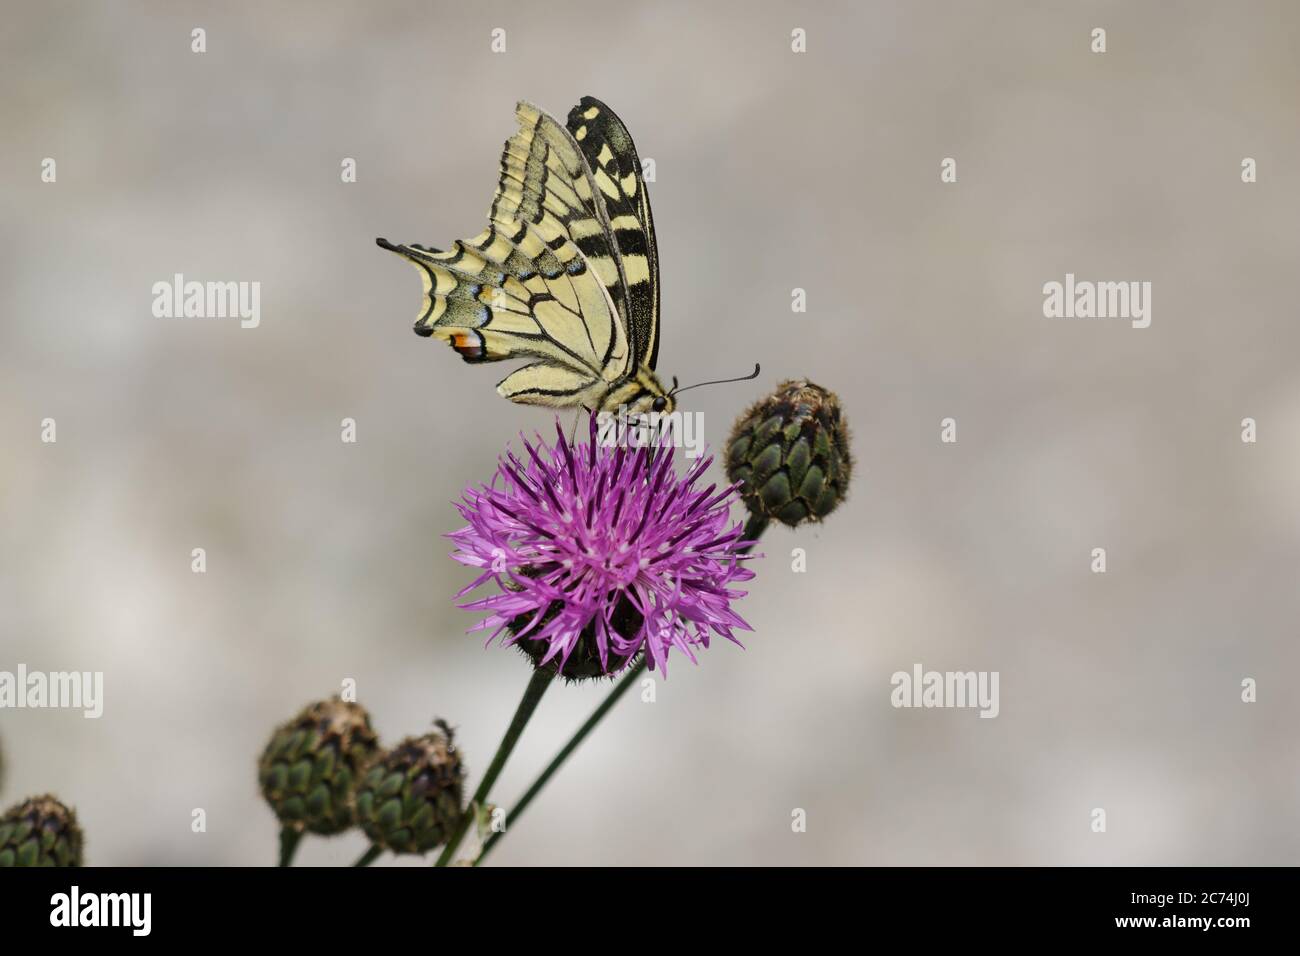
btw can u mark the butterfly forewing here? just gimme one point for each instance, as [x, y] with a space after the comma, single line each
[616, 171]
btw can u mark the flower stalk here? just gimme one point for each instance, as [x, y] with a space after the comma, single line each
[369, 856]
[537, 685]
[633, 672]
[290, 837]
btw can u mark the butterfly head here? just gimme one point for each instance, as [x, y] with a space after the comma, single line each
[640, 395]
[645, 393]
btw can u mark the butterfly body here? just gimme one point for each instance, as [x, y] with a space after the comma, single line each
[566, 274]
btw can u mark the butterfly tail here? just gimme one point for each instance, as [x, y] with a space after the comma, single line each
[464, 293]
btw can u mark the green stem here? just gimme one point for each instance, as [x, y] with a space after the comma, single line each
[628, 680]
[289, 840]
[754, 529]
[537, 685]
[369, 856]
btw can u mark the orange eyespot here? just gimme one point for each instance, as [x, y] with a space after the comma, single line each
[469, 345]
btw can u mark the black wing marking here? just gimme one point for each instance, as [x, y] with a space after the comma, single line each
[616, 170]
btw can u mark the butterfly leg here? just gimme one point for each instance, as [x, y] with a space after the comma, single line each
[577, 417]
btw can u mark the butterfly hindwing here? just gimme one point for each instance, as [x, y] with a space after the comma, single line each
[509, 293]
[616, 171]
[545, 383]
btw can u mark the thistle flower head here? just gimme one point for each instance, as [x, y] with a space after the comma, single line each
[790, 454]
[601, 553]
[410, 797]
[40, 831]
[311, 764]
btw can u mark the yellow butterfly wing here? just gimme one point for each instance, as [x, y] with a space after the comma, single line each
[524, 288]
[616, 170]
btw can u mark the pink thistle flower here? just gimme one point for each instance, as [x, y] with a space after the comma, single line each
[603, 551]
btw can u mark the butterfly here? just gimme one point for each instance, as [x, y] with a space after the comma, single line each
[566, 273]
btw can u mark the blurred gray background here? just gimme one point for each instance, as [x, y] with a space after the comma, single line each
[774, 171]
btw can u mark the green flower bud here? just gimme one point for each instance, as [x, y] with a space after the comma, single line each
[40, 831]
[310, 768]
[791, 452]
[410, 799]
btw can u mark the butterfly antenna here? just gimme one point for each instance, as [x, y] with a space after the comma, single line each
[722, 381]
